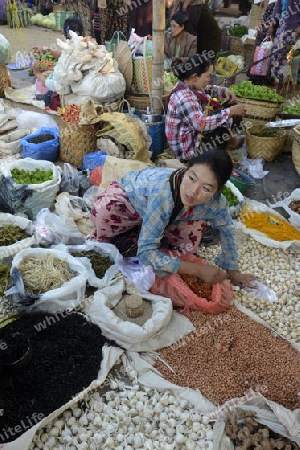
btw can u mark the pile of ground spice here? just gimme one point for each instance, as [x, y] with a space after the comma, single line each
[66, 358]
[257, 359]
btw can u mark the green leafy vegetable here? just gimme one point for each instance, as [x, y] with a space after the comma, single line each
[231, 198]
[238, 30]
[292, 109]
[259, 92]
[169, 81]
[36, 176]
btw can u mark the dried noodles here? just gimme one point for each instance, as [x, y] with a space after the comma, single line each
[44, 274]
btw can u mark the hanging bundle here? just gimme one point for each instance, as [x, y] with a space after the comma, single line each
[15, 14]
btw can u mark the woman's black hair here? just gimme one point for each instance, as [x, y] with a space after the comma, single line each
[180, 17]
[73, 24]
[217, 160]
[197, 64]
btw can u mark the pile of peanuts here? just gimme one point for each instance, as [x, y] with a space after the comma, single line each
[279, 271]
[257, 360]
[200, 288]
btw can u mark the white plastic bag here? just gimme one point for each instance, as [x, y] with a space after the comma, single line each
[24, 224]
[235, 209]
[294, 218]
[68, 296]
[261, 291]
[53, 229]
[28, 198]
[141, 276]
[255, 167]
[30, 119]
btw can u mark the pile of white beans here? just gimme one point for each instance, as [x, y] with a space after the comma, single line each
[277, 269]
[127, 417]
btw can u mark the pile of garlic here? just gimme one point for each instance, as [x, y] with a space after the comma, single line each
[127, 418]
[277, 269]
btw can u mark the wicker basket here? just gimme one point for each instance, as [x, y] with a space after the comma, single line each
[259, 109]
[142, 101]
[264, 147]
[237, 46]
[296, 149]
[4, 79]
[75, 142]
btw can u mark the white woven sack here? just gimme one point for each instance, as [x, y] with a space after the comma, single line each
[294, 218]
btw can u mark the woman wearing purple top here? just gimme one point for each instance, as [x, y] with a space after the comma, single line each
[285, 20]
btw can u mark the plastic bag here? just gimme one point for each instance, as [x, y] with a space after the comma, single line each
[47, 150]
[262, 60]
[28, 198]
[254, 167]
[294, 218]
[183, 297]
[68, 296]
[53, 229]
[226, 67]
[261, 291]
[30, 119]
[69, 180]
[24, 224]
[4, 50]
[141, 276]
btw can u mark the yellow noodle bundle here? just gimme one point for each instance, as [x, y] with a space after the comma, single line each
[272, 226]
[42, 274]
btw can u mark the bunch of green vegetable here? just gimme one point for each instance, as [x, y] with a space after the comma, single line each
[292, 109]
[36, 176]
[249, 90]
[99, 263]
[10, 234]
[267, 132]
[169, 81]
[231, 198]
[238, 30]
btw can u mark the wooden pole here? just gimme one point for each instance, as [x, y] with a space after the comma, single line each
[158, 36]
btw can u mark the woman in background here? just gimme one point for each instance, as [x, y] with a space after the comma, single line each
[285, 20]
[179, 44]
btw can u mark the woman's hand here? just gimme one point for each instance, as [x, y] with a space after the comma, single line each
[240, 279]
[206, 272]
[229, 96]
[237, 110]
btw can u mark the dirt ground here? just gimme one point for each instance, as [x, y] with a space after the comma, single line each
[25, 38]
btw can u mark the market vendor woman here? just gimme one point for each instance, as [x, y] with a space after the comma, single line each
[193, 117]
[156, 208]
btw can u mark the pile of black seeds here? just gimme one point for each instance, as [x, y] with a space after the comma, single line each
[99, 263]
[66, 358]
[41, 138]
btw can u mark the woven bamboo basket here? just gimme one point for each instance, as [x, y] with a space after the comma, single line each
[296, 149]
[75, 142]
[259, 109]
[143, 101]
[290, 135]
[264, 147]
[101, 108]
[4, 79]
[237, 46]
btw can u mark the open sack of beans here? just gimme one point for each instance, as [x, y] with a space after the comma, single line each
[188, 292]
[47, 280]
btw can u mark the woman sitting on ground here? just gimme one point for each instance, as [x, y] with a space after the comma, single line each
[179, 44]
[193, 117]
[158, 208]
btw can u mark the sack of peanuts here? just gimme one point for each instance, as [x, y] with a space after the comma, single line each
[187, 292]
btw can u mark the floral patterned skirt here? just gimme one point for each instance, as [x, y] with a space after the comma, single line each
[284, 39]
[116, 221]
